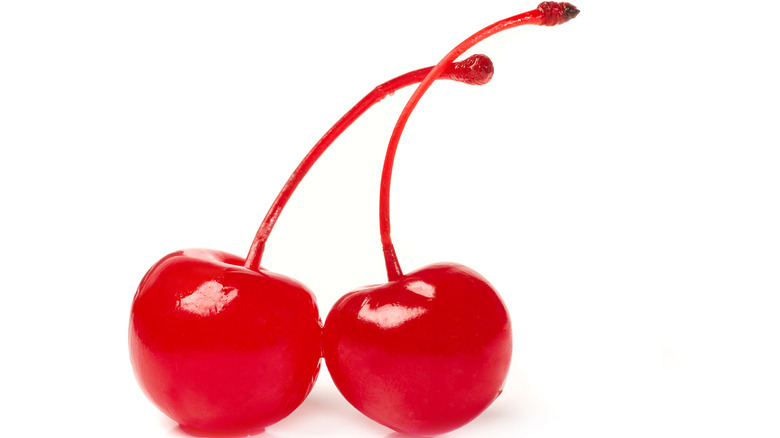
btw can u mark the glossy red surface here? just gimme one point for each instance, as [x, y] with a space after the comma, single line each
[424, 354]
[221, 348]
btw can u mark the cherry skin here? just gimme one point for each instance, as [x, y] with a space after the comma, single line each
[423, 354]
[222, 348]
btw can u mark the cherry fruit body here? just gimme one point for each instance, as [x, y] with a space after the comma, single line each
[222, 348]
[423, 354]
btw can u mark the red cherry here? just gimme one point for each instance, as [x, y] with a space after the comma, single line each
[222, 345]
[427, 352]
[219, 347]
[424, 354]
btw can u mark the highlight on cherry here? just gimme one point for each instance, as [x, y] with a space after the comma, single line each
[222, 345]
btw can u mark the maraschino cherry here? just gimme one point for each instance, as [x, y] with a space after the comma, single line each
[427, 352]
[224, 346]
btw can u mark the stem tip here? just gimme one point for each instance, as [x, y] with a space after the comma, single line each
[569, 12]
[474, 70]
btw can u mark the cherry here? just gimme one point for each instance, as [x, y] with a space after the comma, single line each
[427, 352]
[222, 348]
[222, 345]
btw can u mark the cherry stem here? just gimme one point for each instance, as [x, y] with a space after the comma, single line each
[546, 14]
[475, 70]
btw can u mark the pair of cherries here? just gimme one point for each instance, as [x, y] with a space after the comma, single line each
[222, 345]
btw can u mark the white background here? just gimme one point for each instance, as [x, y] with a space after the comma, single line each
[617, 182]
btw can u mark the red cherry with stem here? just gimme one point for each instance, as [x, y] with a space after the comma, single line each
[427, 352]
[222, 345]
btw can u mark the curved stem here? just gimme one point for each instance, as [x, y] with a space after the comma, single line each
[476, 70]
[546, 14]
